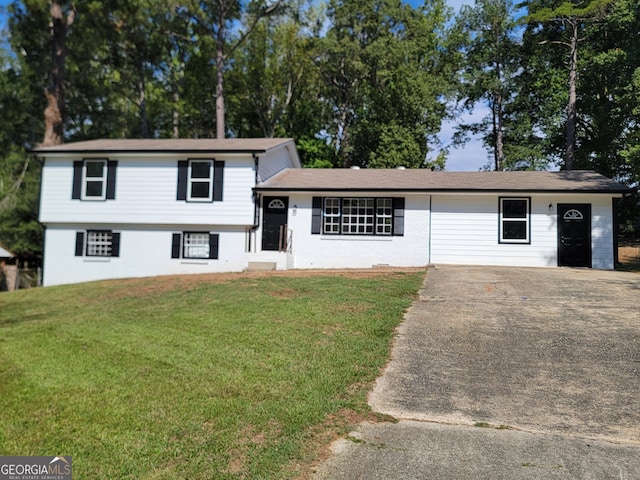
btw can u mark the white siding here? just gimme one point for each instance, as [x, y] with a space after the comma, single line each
[143, 252]
[465, 231]
[343, 251]
[146, 194]
[277, 160]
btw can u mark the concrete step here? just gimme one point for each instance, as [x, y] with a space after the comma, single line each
[260, 266]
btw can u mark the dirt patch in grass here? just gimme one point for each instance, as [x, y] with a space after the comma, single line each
[332, 429]
[145, 287]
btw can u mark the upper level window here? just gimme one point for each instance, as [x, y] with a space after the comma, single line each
[358, 216]
[200, 180]
[515, 221]
[94, 179]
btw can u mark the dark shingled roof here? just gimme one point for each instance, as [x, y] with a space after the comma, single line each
[183, 145]
[389, 180]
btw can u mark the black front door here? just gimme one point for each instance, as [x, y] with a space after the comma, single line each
[574, 235]
[274, 222]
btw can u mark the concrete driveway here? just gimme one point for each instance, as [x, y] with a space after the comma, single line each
[507, 373]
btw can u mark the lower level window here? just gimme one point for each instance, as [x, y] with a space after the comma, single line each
[98, 243]
[195, 245]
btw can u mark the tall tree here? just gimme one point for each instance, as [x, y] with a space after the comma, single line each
[567, 18]
[492, 60]
[62, 17]
[386, 78]
[217, 17]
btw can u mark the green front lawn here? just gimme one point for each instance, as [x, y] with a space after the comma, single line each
[206, 377]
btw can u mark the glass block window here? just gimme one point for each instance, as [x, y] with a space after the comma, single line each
[99, 243]
[196, 245]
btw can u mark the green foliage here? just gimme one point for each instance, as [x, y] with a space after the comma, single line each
[193, 377]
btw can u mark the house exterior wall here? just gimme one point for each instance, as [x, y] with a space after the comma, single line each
[356, 251]
[465, 230]
[144, 252]
[145, 193]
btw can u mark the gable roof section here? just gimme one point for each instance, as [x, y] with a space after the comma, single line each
[414, 180]
[181, 145]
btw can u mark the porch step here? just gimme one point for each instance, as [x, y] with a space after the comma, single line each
[261, 266]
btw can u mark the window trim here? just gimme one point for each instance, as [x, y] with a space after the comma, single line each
[393, 220]
[86, 179]
[191, 180]
[526, 220]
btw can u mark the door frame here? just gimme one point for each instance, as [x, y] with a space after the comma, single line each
[585, 210]
[270, 206]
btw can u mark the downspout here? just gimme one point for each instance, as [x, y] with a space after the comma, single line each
[256, 202]
[430, 233]
[44, 227]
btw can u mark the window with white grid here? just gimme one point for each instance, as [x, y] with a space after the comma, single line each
[196, 245]
[358, 216]
[384, 216]
[99, 243]
[332, 215]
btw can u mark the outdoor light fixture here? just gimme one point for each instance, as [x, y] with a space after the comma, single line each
[551, 207]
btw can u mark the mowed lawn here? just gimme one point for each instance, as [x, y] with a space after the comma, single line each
[210, 377]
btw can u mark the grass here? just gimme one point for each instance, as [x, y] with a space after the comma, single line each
[193, 377]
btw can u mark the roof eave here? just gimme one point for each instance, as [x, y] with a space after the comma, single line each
[437, 190]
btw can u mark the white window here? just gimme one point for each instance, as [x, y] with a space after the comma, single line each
[97, 243]
[195, 245]
[200, 181]
[94, 180]
[384, 216]
[331, 215]
[358, 216]
[515, 220]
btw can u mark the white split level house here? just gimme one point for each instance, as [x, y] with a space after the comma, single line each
[136, 208]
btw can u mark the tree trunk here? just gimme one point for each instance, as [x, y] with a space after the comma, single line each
[142, 105]
[54, 111]
[571, 106]
[220, 112]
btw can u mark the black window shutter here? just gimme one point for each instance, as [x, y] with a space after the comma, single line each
[398, 216]
[79, 244]
[115, 244]
[176, 240]
[214, 240]
[112, 165]
[316, 215]
[183, 165]
[77, 180]
[218, 180]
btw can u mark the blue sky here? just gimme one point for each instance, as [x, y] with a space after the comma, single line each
[470, 158]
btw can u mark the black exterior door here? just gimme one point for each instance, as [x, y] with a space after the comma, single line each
[274, 222]
[574, 235]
